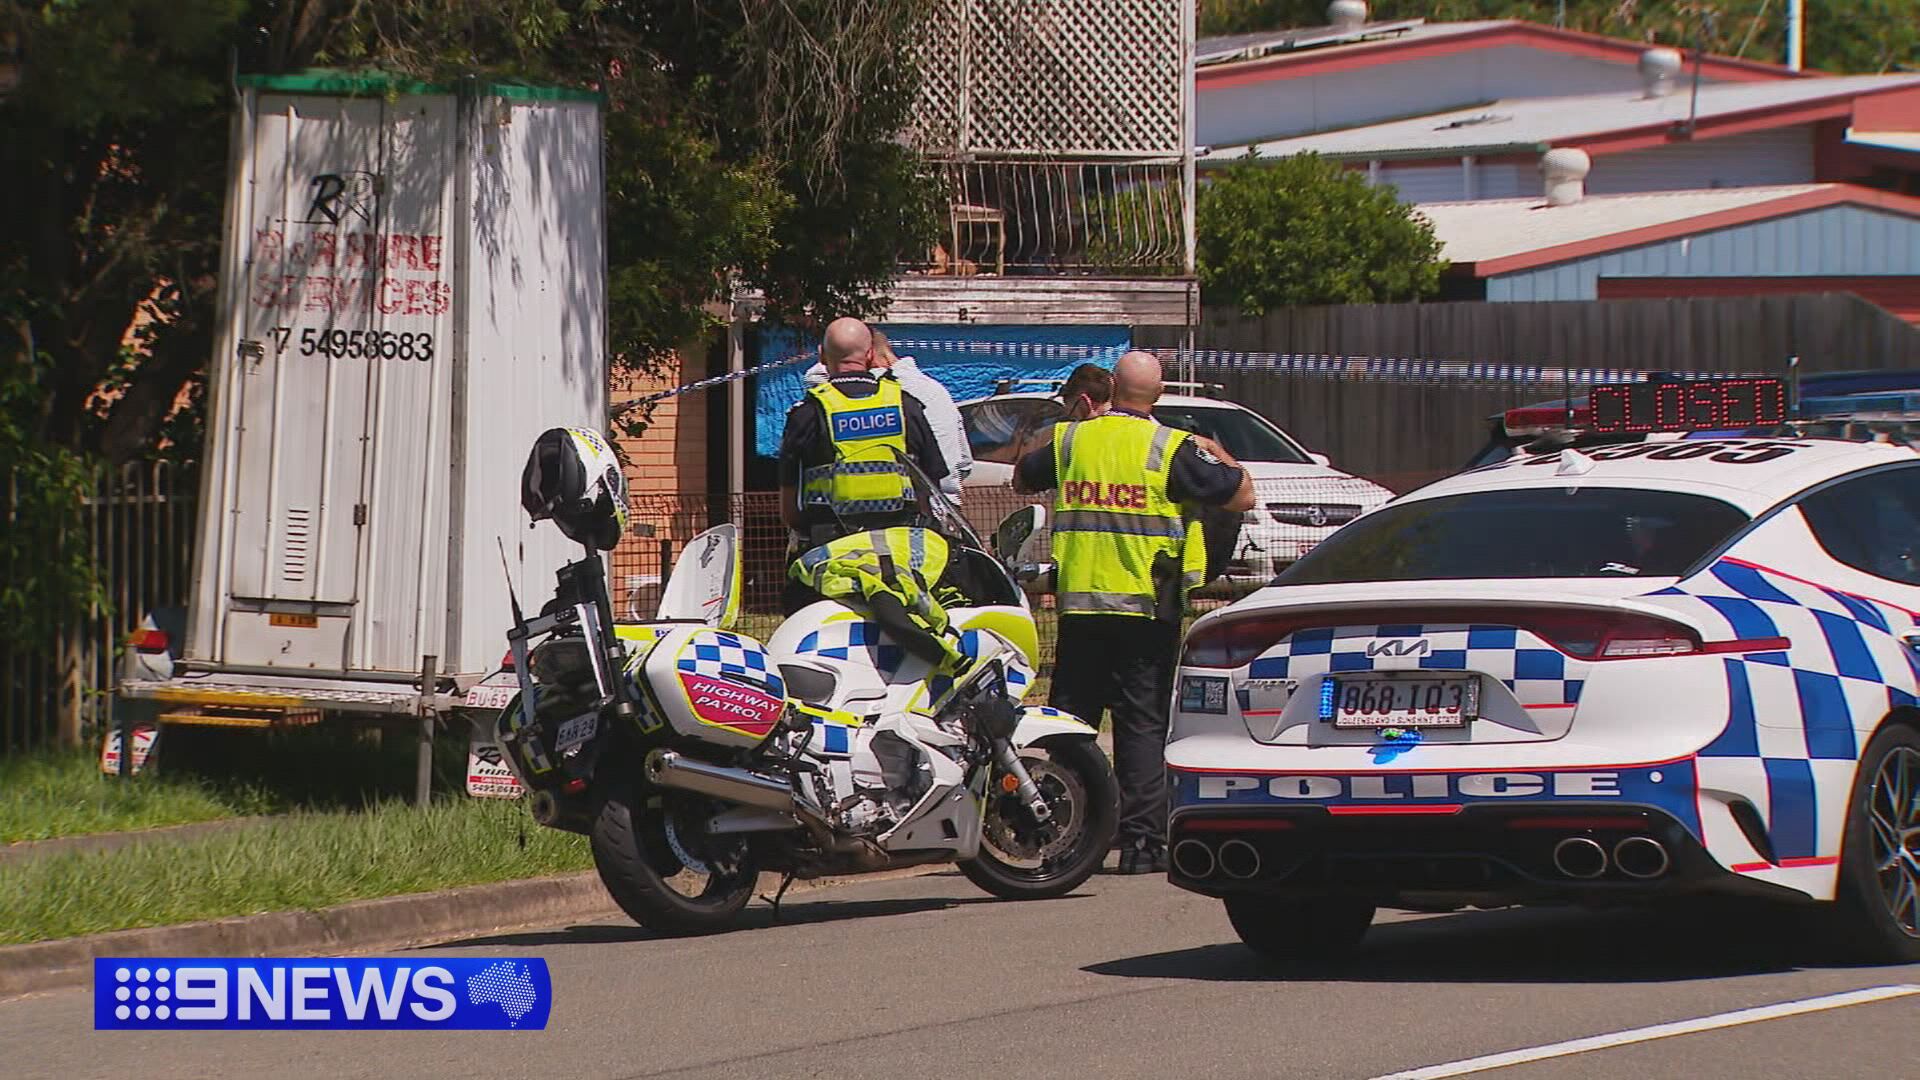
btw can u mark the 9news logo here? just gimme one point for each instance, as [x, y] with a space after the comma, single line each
[451, 994]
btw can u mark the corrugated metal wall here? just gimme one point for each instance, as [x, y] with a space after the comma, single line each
[535, 349]
[1778, 156]
[1455, 182]
[1840, 241]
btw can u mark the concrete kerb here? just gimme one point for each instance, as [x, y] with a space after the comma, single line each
[391, 922]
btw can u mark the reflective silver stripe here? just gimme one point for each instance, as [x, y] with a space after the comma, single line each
[1157, 453]
[1066, 448]
[1106, 603]
[917, 543]
[1194, 579]
[1113, 521]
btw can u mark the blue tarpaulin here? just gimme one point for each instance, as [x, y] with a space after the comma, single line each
[968, 361]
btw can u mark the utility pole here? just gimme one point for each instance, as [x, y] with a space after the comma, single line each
[1796, 29]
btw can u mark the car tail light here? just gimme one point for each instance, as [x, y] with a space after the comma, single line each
[1584, 633]
[506, 662]
[1231, 643]
[149, 640]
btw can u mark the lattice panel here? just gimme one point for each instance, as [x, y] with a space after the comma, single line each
[1071, 77]
[936, 121]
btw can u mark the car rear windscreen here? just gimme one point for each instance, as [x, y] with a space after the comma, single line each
[1526, 533]
[1242, 433]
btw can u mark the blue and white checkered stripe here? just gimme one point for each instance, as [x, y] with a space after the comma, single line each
[839, 641]
[719, 654]
[1019, 675]
[1537, 673]
[1797, 718]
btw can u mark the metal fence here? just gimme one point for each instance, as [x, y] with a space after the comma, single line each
[139, 524]
[1124, 219]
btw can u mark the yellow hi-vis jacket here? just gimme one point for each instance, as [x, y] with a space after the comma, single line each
[903, 561]
[1113, 520]
[864, 477]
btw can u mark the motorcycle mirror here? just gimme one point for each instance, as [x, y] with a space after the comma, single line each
[1016, 540]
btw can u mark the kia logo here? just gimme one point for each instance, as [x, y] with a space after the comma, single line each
[1399, 647]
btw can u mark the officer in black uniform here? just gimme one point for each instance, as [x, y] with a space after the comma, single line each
[808, 444]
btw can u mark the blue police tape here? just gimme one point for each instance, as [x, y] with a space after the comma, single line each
[416, 993]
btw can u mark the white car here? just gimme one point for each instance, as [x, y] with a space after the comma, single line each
[1299, 497]
[1664, 667]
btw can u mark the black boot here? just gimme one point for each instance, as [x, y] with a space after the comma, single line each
[1143, 857]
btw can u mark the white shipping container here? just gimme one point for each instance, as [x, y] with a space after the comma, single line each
[413, 290]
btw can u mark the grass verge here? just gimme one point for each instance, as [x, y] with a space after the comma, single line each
[204, 775]
[303, 861]
[48, 794]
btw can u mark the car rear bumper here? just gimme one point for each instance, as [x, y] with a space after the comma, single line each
[1473, 855]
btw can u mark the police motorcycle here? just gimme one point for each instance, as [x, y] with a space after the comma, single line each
[697, 758]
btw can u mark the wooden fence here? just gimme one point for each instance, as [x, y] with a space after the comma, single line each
[1380, 427]
[140, 526]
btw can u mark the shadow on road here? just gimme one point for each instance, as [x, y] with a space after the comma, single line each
[1522, 946]
[757, 917]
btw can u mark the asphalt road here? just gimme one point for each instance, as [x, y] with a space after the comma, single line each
[929, 978]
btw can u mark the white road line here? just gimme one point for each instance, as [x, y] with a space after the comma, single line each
[1657, 1031]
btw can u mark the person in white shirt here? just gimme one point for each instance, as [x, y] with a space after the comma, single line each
[942, 415]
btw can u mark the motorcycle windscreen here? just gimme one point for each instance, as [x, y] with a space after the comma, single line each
[705, 586]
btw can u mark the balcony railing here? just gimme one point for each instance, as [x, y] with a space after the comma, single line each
[1060, 219]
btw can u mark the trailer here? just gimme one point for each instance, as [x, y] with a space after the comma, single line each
[413, 288]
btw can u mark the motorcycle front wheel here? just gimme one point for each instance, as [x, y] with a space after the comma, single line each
[662, 868]
[1021, 861]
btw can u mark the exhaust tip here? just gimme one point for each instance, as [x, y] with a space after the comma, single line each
[1193, 859]
[1579, 857]
[1641, 857]
[544, 808]
[1239, 859]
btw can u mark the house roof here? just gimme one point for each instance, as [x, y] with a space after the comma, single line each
[1499, 236]
[1286, 54]
[1599, 122]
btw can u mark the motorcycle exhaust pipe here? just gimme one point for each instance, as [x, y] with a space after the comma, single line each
[549, 811]
[1641, 857]
[1239, 860]
[665, 768]
[1579, 857]
[1193, 859]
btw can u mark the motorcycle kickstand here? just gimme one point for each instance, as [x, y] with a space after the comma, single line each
[785, 881]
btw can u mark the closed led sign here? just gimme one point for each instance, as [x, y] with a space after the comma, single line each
[1697, 405]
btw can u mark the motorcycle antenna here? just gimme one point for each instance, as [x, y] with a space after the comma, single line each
[513, 598]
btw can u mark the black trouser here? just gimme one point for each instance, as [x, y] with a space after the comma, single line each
[1123, 663]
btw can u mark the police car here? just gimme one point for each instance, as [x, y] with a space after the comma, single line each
[1300, 499]
[1678, 663]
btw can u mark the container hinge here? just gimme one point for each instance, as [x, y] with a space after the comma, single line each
[252, 351]
[359, 513]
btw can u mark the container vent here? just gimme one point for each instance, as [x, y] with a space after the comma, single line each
[297, 545]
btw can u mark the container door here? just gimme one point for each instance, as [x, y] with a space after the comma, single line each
[334, 288]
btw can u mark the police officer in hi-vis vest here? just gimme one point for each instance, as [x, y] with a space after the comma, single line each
[1127, 549]
[838, 469]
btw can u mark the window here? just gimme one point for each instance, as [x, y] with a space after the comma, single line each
[1246, 436]
[1871, 523]
[1546, 532]
[1003, 430]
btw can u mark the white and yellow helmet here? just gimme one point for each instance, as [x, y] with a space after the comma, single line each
[573, 477]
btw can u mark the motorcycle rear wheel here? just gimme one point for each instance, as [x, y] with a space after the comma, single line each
[1077, 781]
[645, 875]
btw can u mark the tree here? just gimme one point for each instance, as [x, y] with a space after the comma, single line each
[1844, 36]
[1304, 230]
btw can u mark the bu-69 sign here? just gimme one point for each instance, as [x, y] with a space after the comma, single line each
[359, 344]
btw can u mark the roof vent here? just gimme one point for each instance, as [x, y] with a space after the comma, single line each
[1659, 68]
[1564, 172]
[1347, 14]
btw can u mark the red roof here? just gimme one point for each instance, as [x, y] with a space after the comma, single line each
[1396, 50]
